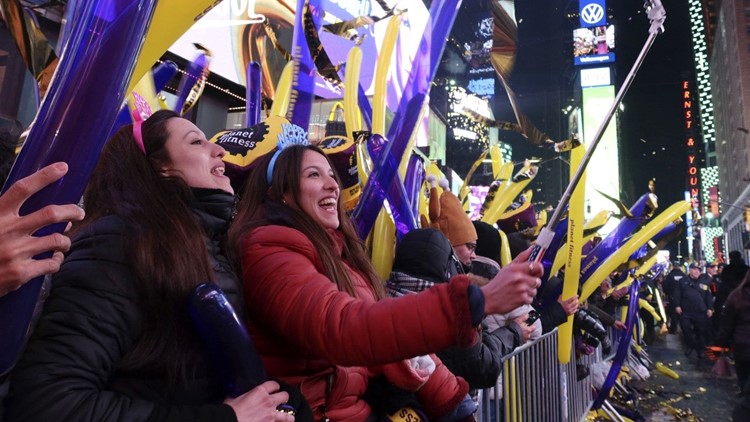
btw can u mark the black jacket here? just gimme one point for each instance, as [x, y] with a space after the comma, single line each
[735, 323]
[693, 296]
[672, 283]
[90, 321]
[731, 277]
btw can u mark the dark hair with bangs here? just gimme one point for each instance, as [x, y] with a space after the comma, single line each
[262, 204]
[166, 252]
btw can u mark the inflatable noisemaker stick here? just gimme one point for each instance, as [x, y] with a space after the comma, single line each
[656, 15]
[100, 52]
[253, 98]
[227, 341]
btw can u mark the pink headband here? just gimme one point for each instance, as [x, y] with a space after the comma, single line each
[138, 131]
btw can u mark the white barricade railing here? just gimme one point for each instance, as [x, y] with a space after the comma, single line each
[535, 387]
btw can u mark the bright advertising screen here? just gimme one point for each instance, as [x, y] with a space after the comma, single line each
[594, 45]
[603, 171]
[234, 34]
[477, 194]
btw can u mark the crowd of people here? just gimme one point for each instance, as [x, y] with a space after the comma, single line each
[712, 308]
[114, 339]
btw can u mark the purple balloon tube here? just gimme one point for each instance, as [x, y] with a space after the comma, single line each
[442, 15]
[72, 125]
[253, 103]
[192, 74]
[622, 347]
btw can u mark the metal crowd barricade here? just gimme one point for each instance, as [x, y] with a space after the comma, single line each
[534, 387]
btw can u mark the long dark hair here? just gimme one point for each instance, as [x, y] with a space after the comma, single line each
[262, 204]
[740, 296]
[165, 251]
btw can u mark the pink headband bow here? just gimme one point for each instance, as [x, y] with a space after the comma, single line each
[138, 131]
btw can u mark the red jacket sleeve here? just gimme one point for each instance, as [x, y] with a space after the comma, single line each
[289, 296]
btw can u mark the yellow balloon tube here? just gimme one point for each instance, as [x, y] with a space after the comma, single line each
[666, 371]
[283, 88]
[381, 74]
[643, 304]
[661, 305]
[504, 197]
[464, 192]
[505, 257]
[352, 115]
[383, 244]
[573, 263]
[171, 19]
[496, 155]
[636, 241]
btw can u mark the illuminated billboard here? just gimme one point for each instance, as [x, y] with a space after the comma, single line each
[594, 45]
[233, 33]
[603, 171]
[592, 13]
[598, 76]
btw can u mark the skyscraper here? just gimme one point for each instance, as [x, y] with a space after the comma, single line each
[710, 192]
[730, 86]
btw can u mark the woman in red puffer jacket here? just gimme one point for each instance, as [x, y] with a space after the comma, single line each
[315, 305]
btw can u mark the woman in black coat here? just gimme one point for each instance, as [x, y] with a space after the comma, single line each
[115, 341]
[735, 329]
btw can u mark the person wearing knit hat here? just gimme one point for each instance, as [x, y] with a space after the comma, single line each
[488, 241]
[448, 216]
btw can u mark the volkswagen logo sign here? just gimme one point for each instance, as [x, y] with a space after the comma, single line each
[592, 13]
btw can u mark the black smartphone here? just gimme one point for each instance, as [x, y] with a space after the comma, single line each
[533, 316]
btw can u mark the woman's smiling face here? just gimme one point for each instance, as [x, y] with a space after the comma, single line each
[319, 190]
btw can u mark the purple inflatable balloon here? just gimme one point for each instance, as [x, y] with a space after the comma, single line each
[622, 347]
[193, 73]
[442, 15]
[614, 239]
[252, 94]
[72, 125]
[303, 74]
[403, 218]
[415, 175]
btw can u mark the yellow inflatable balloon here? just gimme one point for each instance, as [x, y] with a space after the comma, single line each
[352, 115]
[464, 192]
[643, 304]
[666, 371]
[505, 257]
[508, 192]
[496, 155]
[171, 19]
[283, 88]
[381, 74]
[573, 263]
[636, 241]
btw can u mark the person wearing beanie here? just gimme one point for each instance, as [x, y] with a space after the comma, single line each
[448, 216]
[488, 241]
[424, 258]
